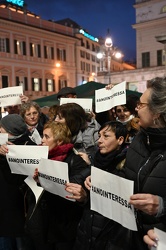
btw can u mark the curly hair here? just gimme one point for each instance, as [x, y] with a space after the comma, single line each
[60, 131]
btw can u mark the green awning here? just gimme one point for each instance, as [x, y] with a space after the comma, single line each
[86, 90]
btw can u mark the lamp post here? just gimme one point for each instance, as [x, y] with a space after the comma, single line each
[108, 44]
[108, 52]
[57, 66]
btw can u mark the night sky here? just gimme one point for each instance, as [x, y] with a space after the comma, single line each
[96, 16]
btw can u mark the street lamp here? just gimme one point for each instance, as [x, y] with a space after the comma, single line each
[109, 44]
[108, 52]
[57, 66]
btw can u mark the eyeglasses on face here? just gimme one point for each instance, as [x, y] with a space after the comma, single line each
[141, 105]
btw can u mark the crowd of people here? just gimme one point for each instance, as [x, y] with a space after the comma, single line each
[127, 141]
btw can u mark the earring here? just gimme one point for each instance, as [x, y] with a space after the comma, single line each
[155, 122]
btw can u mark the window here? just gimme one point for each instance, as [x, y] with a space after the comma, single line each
[82, 53]
[82, 65]
[22, 81]
[82, 42]
[4, 45]
[62, 83]
[159, 58]
[93, 58]
[145, 59]
[87, 45]
[5, 81]
[93, 68]
[35, 50]
[87, 67]
[88, 56]
[93, 47]
[19, 47]
[36, 84]
[48, 52]
[50, 85]
[61, 55]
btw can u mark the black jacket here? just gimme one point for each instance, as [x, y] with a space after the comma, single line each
[96, 231]
[12, 199]
[146, 166]
[55, 219]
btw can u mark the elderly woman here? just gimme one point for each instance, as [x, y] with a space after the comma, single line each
[33, 117]
[146, 161]
[52, 225]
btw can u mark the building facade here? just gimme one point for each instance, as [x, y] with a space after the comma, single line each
[150, 29]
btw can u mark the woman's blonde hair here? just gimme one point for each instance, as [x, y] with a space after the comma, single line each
[60, 131]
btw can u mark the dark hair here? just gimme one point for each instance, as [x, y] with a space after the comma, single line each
[131, 103]
[117, 127]
[74, 116]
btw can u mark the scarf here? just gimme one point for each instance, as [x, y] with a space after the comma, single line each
[125, 122]
[108, 162]
[59, 153]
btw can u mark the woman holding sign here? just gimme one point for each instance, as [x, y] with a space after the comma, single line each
[146, 161]
[96, 231]
[53, 222]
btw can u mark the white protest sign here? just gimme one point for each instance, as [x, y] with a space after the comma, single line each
[105, 99]
[53, 176]
[162, 240]
[110, 195]
[10, 96]
[23, 159]
[86, 104]
[35, 137]
[3, 138]
[37, 190]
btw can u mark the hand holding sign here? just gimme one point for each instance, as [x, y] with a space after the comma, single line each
[105, 99]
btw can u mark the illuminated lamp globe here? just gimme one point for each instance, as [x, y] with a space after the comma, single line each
[108, 42]
[99, 55]
[118, 55]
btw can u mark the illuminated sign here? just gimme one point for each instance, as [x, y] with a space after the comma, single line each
[89, 36]
[16, 2]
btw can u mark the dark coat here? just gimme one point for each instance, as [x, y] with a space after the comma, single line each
[12, 199]
[145, 165]
[55, 219]
[96, 231]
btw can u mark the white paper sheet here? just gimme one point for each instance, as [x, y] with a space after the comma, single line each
[53, 175]
[86, 104]
[110, 195]
[10, 96]
[23, 159]
[106, 99]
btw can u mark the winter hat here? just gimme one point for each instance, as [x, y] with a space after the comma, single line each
[13, 124]
[66, 91]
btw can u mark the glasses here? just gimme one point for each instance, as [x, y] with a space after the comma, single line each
[141, 105]
[30, 114]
